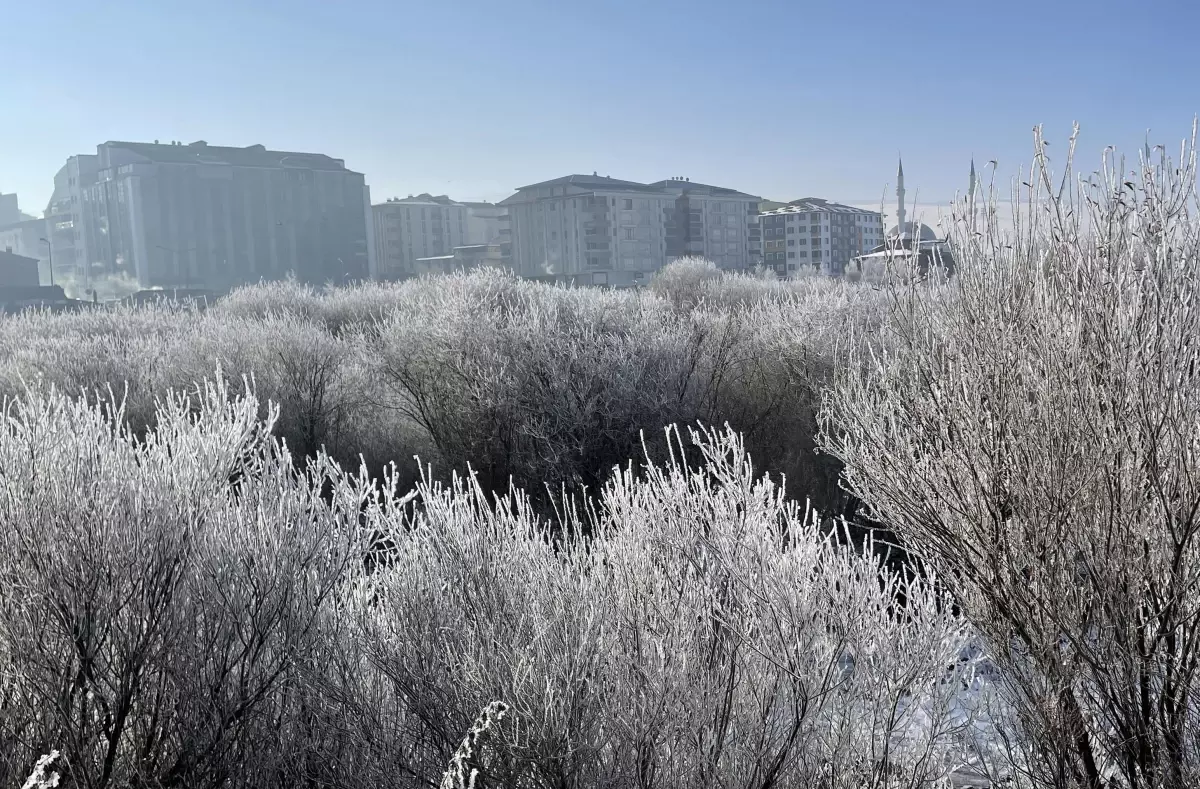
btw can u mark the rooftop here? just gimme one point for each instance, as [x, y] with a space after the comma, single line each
[689, 185]
[422, 199]
[200, 152]
[596, 182]
[11, 258]
[817, 204]
[592, 182]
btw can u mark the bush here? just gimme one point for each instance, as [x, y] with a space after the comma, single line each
[189, 608]
[1030, 430]
[708, 633]
[159, 592]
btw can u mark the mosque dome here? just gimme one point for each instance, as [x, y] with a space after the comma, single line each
[912, 231]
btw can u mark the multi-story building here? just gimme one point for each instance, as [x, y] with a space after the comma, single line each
[608, 231]
[816, 233]
[213, 217]
[411, 228]
[711, 222]
[484, 222]
[64, 217]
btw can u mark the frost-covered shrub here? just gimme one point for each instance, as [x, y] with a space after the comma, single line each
[522, 382]
[707, 634]
[1032, 429]
[158, 594]
[126, 350]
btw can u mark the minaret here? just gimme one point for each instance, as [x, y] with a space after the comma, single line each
[971, 181]
[900, 216]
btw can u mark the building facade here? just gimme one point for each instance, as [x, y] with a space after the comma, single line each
[608, 231]
[10, 211]
[409, 229]
[712, 222]
[484, 223]
[64, 217]
[815, 233]
[25, 239]
[214, 217]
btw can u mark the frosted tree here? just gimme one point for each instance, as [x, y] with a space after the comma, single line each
[1032, 430]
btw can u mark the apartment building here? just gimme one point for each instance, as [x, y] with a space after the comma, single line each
[816, 233]
[64, 218]
[484, 222]
[413, 228]
[609, 231]
[214, 217]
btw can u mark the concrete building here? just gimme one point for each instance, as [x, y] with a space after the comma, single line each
[17, 271]
[601, 230]
[597, 226]
[411, 228]
[484, 222]
[816, 233]
[25, 239]
[65, 220]
[712, 222]
[206, 216]
[10, 211]
[469, 256]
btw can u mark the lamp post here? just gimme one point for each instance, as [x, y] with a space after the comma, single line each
[50, 251]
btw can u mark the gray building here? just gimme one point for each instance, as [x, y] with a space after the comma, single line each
[712, 222]
[10, 212]
[602, 230]
[413, 228]
[214, 217]
[815, 233]
[26, 239]
[64, 217]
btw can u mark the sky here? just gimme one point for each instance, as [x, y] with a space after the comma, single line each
[778, 98]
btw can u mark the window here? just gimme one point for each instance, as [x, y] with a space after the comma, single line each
[791, 256]
[553, 235]
[628, 205]
[791, 242]
[629, 234]
[791, 266]
[791, 230]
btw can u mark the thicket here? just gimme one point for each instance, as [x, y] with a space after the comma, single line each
[1032, 431]
[539, 388]
[233, 585]
[188, 607]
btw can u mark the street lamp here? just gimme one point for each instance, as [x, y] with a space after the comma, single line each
[50, 250]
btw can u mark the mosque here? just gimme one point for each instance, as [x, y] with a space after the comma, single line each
[911, 242]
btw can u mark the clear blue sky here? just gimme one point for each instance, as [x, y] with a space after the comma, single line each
[777, 98]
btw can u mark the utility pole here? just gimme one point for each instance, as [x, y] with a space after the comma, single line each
[50, 251]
